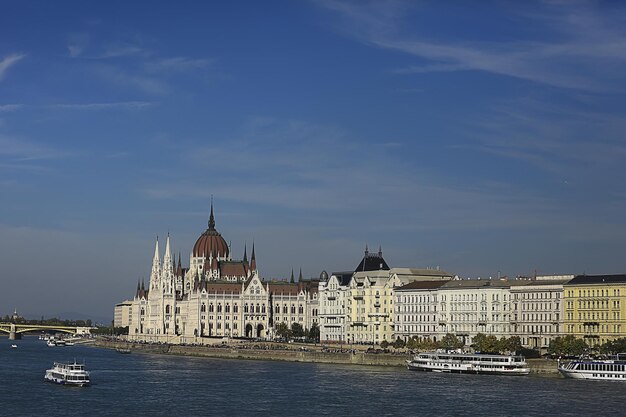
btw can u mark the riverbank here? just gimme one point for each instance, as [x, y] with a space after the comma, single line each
[290, 354]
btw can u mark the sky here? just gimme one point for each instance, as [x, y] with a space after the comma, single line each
[484, 138]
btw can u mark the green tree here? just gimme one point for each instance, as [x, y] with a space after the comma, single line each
[297, 330]
[412, 343]
[567, 345]
[384, 344]
[399, 343]
[450, 341]
[314, 333]
[282, 330]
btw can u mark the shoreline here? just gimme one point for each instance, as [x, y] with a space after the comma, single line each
[538, 367]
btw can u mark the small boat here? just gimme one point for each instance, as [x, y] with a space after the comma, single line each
[68, 343]
[121, 350]
[51, 343]
[13, 346]
[60, 343]
[613, 369]
[68, 373]
[468, 363]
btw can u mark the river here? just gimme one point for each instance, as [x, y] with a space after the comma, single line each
[159, 385]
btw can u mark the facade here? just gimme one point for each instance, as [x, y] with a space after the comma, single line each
[416, 310]
[537, 312]
[215, 297]
[123, 314]
[595, 308]
[333, 293]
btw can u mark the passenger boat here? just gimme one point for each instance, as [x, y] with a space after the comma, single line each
[604, 370]
[122, 350]
[72, 373]
[13, 346]
[467, 363]
[51, 343]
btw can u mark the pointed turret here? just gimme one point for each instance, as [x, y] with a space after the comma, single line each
[253, 259]
[380, 251]
[245, 253]
[138, 288]
[167, 259]
[211, 217]
[179, 267]
[300, 276]
[291, 280]
[155, 275]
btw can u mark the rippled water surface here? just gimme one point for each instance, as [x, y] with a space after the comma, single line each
[155, 385]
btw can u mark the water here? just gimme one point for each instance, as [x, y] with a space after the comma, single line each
[156, 385]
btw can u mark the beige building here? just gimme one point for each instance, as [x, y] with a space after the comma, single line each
[537, 311]
[123, 314]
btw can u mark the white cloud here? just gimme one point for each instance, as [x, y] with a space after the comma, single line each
[177, 64]
[587, 53]
[10, 107]
[7, 62]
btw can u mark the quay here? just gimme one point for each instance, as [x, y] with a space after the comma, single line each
[290, 353]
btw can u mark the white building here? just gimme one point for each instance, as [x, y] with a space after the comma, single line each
[215, 297]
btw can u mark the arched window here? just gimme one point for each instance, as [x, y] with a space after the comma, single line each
[285, 310]
[203, 308]
[277, 310]
[227, 308]
[258, 308]
[167, 309]
[300, 309]
[245, 308]
[263, 308]
[235, 308]
[219, 307]
[211, 308]
[293, 309]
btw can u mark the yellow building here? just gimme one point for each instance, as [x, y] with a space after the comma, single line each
[595, 308]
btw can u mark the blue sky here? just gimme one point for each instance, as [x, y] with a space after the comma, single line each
[480, 138]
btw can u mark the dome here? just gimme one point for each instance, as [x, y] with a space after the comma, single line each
[324, 276]
[211, 243]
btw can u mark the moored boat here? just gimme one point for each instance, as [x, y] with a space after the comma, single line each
[68, 373]
[604, 370]
[13, 346]
[122, 350]
[468, 363]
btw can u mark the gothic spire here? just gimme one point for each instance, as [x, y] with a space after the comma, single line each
[253, 259]
[245, 252]
[300, 276]
[291, 280]
[380, 251]
[211, 217]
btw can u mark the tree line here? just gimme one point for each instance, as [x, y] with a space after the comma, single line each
[47, 322]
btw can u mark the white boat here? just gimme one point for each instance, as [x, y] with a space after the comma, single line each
[604, 370]
[13, 346]
[51, 343]
[68, 343]
[72, 373]
[466, 363]
[59, 342]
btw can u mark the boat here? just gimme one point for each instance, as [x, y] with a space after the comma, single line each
[121, 350]
[60, 342]
[13, 346]
[68, 343]
[51, 343]
[613, 369]
[468, 363]
[68, 373]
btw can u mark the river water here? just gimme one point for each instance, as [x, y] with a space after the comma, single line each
[159, 385]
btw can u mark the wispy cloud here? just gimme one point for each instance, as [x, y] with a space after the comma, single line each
[23, 150]
[131, 105]
[177, 64]
[7, 62]
[584, 53]
[138, 81]
[77, 43]
[10, 107]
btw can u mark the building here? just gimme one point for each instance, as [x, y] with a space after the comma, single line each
[215, 297]
[333, 295]
[416, 310]
[123, 314]
[595, 308]
[537, 311]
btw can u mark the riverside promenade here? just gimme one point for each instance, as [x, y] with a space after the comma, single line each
[290, 353]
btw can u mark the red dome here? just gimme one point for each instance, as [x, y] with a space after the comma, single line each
[211, 243]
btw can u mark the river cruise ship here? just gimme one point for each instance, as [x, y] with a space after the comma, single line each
[604, 370]
[467, 363]
[72, 373]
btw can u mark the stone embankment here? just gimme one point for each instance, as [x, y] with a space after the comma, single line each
[289, 354]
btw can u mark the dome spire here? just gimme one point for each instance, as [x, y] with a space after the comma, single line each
[211, 217]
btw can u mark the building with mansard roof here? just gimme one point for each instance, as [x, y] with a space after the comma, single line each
[215, 297]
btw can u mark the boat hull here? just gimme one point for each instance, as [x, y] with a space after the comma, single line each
[466, 370]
